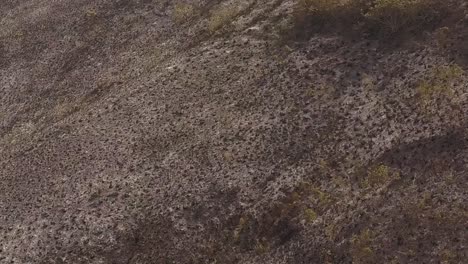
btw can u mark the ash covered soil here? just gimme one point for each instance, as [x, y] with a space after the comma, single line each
[215, 132]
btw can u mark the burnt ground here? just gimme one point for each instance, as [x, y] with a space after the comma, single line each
[130, 133]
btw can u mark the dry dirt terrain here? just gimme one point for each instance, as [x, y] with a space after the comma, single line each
[233, 131]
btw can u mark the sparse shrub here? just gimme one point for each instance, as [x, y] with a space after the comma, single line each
[154, 58]
[240, 228]
[321, 91]
[378, 176]
[19, 133]
[221, 17]
[324, 9]
[375, 17]
[91, 12]
[367, 82]
[424, 201]
[310, 215]
[442, 36]
[361, 250]
[448, 73]
[312, 15]
[391, 16]
[19, 35]
[332, 230]
[183, 12]
[323, 199]
[448, 256]
[262, 246]
[439, 82]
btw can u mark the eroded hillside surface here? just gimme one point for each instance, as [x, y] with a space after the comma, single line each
[235, 131]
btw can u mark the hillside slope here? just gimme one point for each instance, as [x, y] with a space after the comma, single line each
[230, 131]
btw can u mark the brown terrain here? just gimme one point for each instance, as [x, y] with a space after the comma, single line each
[233, 131]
